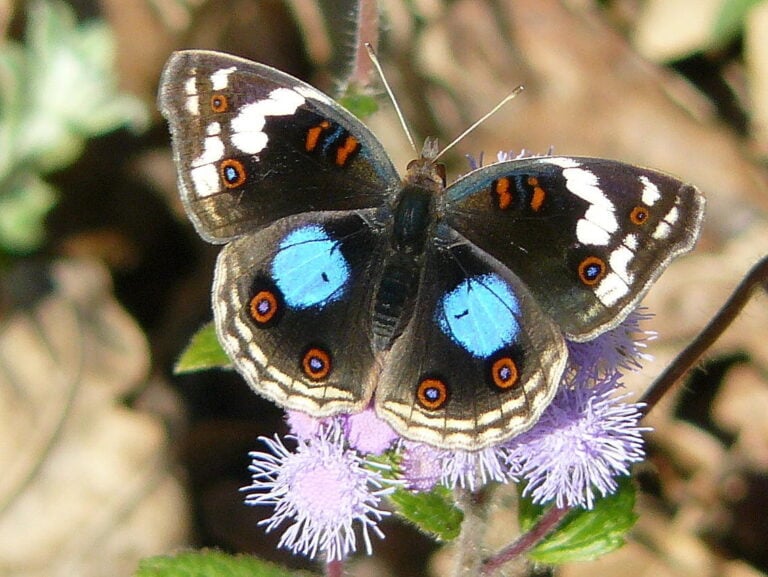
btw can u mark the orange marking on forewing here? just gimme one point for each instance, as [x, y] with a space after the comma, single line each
[501, 188]
[539, 194]
[346, 150]
[639, 215]
[219, 103]
[313, 135]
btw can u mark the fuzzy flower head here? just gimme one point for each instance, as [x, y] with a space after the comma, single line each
[423, 467]
[320, 492]
[474, 469]
[327, 493]
[304, 427]
[367, 433]
[420, 469]
[584, 440]
[621, 349]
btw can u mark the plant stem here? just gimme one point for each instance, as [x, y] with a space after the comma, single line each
[546, 524]
[334, 569]
[468, 546]
[756, 277]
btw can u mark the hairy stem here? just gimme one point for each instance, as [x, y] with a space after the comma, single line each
[469, 543]
[546, 524]
[334, 569]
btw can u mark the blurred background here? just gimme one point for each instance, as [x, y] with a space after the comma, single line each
[107, 457]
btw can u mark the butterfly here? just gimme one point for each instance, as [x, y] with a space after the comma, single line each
[342, 285]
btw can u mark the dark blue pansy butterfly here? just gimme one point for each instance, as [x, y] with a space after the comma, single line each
[342, 284]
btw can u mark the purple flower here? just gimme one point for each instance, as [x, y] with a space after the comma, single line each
[472, 470]
[367, 433]
[325, 493]
[420, 469]
[303, 426]
[583, 441]
[474, 163]
[319, 492]
[620, 349]
[503, 156]
[423, 467]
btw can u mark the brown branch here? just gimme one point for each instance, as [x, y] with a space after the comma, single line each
[756, 277]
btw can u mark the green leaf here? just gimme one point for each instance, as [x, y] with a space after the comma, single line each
[584, 535]
[203, 352]
[23, 206]
[212, 564]
[56, 91]
[434, 512]
[70, 86]
[361, 105]
[730, 20]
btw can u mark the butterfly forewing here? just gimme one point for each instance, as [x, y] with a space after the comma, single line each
[253, 145]
[587, 236]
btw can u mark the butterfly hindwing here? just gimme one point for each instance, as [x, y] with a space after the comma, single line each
[253, 144]
[587, 236]
[291, 305]
[479, 360]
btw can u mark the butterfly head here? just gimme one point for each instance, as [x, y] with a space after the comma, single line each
[424, 171]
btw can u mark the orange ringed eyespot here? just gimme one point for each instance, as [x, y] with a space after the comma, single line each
[639, 215]
[263, 307]
[219, 103]
[592, 270]
[232, 172]
[432, 393]
[316, 364]
[504, 372]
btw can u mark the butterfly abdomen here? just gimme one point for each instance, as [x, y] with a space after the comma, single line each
[394, 299]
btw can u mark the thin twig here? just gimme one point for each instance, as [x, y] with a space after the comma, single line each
[546, 524]
[756, 277]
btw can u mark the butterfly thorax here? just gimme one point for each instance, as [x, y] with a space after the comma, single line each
[414, 217]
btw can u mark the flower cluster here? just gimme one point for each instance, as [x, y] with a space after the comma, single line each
[318, 490]
[330, 487]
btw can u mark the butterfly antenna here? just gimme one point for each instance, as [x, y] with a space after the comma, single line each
[377, 65]
[485, 117]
